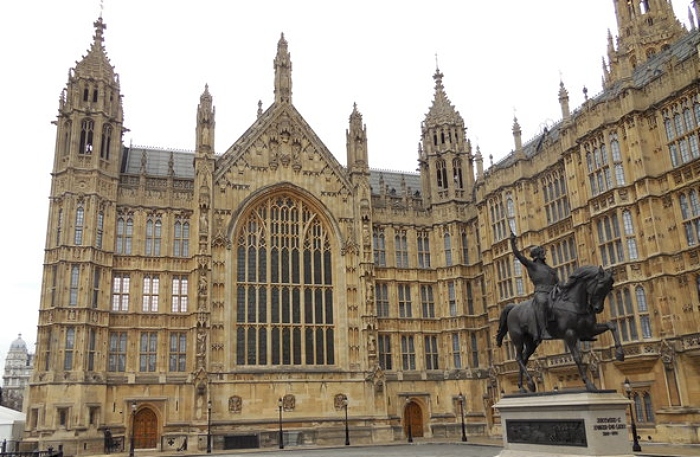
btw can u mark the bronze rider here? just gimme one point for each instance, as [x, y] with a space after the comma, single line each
[544, 278]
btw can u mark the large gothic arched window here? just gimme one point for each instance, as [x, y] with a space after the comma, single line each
[284, 285]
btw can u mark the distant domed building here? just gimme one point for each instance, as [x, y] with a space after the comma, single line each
[18, 368]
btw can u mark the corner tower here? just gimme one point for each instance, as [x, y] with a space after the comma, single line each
[79, 251]
[644, 27]
[445, 159]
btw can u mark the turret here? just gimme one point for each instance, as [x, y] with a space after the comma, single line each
[445, 158]
[90, 116]
[644, 27]
[564, 101]
[479, 163]
[205, 123]
[83, 199]
[356, 143]
[517, 136]
[283, 73]
[204, 167]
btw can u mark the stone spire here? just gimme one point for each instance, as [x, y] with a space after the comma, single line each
[356, 143]
[517, 136]
[205, 122]
[95, 64]
[283, 73]
[441, 111]
[564, 101]
[479, 163]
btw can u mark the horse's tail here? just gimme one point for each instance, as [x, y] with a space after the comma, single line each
[503, 324]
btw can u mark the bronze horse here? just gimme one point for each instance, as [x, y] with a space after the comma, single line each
[573, 318]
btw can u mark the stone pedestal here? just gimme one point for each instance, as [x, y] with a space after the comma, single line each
[565, 424]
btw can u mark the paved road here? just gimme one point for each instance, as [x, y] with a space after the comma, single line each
[389, 450]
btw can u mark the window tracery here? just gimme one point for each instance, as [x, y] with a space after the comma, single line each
[284, 286]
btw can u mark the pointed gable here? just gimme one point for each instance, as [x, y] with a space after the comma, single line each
[280, 139]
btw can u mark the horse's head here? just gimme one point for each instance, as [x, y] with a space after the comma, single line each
[587, 288]
[598, 288]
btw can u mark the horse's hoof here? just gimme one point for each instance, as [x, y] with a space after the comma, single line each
[531, 387]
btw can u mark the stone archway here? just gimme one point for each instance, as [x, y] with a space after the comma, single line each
[145, 429]
[413, 419]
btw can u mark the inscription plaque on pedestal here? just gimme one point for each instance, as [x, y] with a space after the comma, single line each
[551, 432]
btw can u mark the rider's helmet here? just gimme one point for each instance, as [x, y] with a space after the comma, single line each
[537, 252]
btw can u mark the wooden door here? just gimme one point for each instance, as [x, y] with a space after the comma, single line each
[145, 429]
[413, 415]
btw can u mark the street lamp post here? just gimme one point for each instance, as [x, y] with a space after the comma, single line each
[460, 397]
[133, 423]
[635, 442]
[347, 430]
[408, 420]
[281, 439]
[209, 427]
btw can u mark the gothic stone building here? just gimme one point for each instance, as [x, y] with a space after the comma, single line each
[184, 290]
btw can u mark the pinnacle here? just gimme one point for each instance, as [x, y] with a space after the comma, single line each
[441, 111]
[96, 64]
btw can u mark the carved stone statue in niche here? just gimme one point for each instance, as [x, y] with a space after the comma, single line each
[369, 294]
[203, 289]
[296, 150]
[203, 224]
[201, 347]
[366, 239]
[376, 377]
[219, 226]
[668, 355]
[371, 347]
[205, 135]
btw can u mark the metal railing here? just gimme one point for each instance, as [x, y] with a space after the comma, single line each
[50, 452]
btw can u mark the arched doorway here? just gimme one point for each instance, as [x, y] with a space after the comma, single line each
[145, 429]
[413, 418]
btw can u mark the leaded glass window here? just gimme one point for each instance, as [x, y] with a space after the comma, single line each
[284, 285]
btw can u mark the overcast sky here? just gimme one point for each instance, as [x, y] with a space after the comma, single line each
[499, 58]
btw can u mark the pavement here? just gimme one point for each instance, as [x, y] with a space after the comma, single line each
[421, 447]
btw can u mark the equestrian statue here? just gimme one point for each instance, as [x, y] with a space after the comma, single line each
[557, 311]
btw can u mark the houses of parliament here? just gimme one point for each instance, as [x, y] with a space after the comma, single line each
[235, 299]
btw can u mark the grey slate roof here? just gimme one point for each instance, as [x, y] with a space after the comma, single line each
[157, 160]
[392, 181]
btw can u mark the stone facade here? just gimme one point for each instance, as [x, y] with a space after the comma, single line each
[187, 290]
